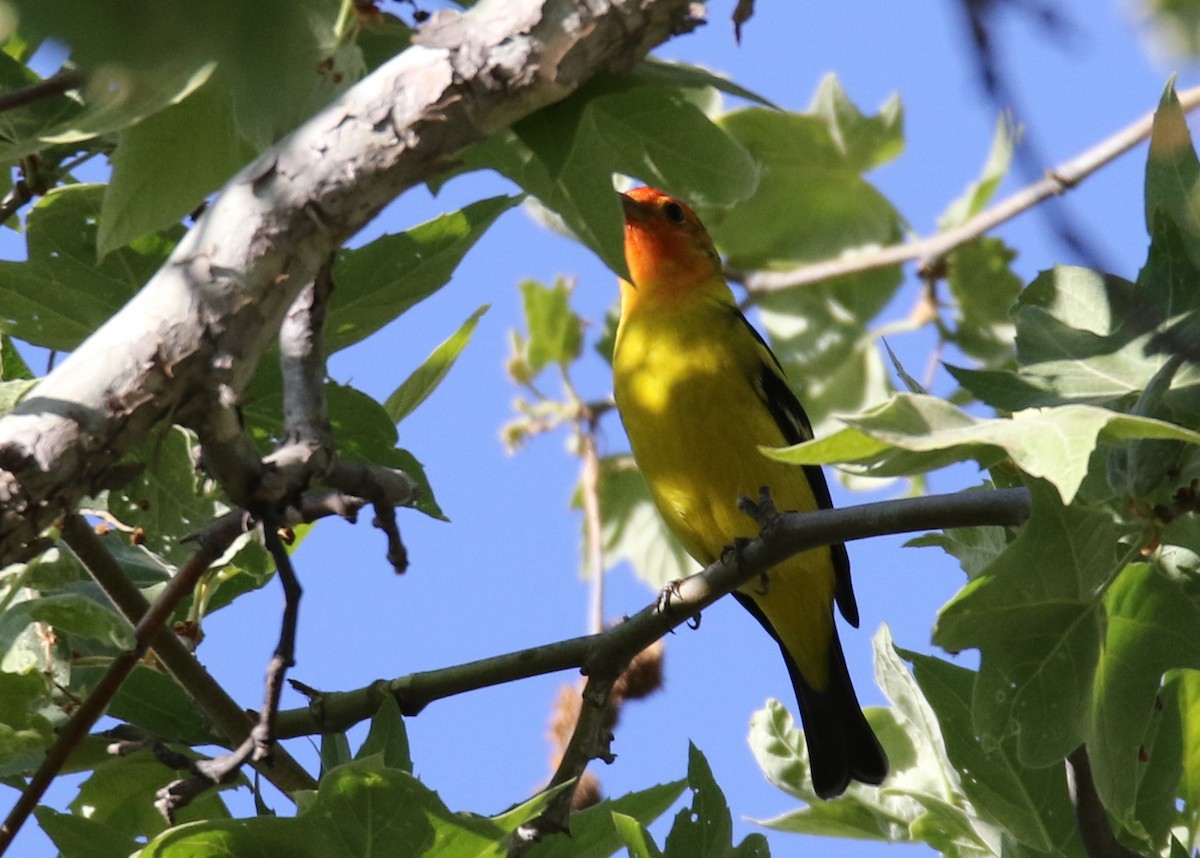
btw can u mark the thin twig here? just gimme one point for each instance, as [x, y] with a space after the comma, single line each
[210, 546]
[56, 84]
[259, 745]
[1055, 182]
[1004, 97]
[609, 651]
[1095, 830]
[229, 719]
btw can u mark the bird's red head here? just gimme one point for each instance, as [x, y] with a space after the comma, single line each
[667, 249]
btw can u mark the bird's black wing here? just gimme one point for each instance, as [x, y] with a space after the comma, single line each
[789, 416]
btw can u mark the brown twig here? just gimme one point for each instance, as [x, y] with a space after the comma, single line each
[259, 745]
[229, 719]
[1099, 840]
[211, 545]
[1057, 181]
[56, 84]
[611, 649]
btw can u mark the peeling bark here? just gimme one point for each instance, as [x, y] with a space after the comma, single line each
[186, 345]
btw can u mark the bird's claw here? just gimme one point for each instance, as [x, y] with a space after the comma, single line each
[663, 603]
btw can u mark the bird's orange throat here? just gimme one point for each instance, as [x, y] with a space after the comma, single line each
[664, 265]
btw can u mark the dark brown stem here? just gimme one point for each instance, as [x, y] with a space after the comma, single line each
[610, 651]
[56, 84]
[229, 719]
[210, 546]
[1099, 840]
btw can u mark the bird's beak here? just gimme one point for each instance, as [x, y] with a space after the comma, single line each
[633, 209]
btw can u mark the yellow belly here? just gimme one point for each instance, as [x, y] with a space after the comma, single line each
[695, 421]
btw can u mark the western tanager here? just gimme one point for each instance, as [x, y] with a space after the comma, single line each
[699, 392]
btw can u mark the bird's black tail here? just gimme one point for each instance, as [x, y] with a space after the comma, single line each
[841, 744]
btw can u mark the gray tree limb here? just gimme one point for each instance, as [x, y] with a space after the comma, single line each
[186, 345]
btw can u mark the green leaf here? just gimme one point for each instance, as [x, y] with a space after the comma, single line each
[632, 529]
[153, 701]
[1037, 616]
[1085, 336]
[1173, 173]
[164, 166]
[1158, 810]
[120, 795]
[61, 294]
[865, 141]
[922, 799]
[388, 737]
[985, 290]
[112, 99]
[1150, 629]
[635, 838]
[362, 808]
[381, 37]
[365, 432]
[1052, 443]
[974, 547]
[566, 154]
[555, 332]
[11, 393]
[79, 615]
[12, 365]
[819, 334]
[1032, 805]
[276, 57]
[425, 378]
[20, 128]
[378, 282]
[653, 70]
[980, 192]
[812, 202]
[705, 828]
[78, 836]
[23, 731]
[335, 750]
[594, 833]
[166, 499]
[1188, 697]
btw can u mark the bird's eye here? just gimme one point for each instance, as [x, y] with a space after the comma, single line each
[674, 213]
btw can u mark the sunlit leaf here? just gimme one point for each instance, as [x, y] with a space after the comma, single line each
[62, 293]
[425, 378]
[378, 282]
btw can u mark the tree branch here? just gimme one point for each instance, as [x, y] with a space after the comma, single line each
[187, 344]
[229, 719]
[608, 652]
[210, 546]
[927, 250]
[56, 84]
[1095, 831]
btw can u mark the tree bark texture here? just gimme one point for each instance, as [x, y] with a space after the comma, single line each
[186, 345]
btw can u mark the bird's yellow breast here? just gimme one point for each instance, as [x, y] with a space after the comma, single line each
[686, 384]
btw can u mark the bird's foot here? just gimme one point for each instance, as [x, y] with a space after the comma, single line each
[663, 603]
[763, 510]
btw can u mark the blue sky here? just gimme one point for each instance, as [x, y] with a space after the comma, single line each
[503, 575]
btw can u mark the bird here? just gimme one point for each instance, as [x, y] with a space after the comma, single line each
[699, 392]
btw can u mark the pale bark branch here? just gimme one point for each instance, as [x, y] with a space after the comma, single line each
[927, 250]
[187, 344]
